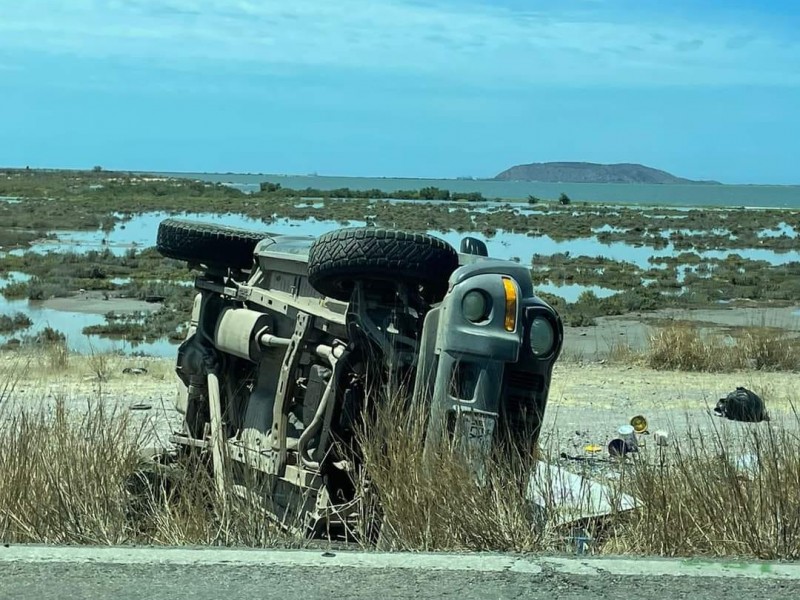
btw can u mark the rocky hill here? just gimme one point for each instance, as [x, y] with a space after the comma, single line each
[584, 172]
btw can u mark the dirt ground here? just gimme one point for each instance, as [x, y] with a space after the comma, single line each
[633, 330]
[588, 401]
[33, 382]
[99, 303]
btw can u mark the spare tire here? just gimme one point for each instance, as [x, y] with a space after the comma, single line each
[207, 243]
[339, 258]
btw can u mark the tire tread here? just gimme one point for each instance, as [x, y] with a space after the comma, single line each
[369, 252]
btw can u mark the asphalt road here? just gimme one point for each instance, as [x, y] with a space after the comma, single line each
[30, 573]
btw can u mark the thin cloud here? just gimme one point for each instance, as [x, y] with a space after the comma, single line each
[739, 41]
[689, 46]
[469, 43]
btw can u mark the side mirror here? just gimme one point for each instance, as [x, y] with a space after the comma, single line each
[471, 245]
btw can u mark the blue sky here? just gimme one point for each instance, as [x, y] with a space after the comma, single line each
[405, 88]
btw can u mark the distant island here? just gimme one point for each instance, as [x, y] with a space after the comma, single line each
[584, 172]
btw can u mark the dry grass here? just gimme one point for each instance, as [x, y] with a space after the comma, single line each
[69, 480]
[431, 501]
[621, 353]
[75, 478]
[689, 348]
[57, 356]
[63, 481]
[720, 496]
[733, 493]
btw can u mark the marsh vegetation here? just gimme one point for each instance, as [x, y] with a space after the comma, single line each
[623, 258]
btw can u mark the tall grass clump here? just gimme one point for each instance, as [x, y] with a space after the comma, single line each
[685, 347]
[432, 500]
[63, 480]
[763, 348]
[79, 477]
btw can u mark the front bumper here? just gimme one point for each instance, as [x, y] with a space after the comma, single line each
[480, 378]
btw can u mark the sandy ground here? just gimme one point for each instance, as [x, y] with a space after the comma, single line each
[33, 382]
[588, 401]
[633, 330]
[99, 303]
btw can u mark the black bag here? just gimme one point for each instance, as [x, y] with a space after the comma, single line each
[742, 405]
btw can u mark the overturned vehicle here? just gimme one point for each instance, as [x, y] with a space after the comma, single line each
[292, 337]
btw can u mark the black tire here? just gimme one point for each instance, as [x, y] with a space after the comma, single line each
[339, 258]
[207, 243]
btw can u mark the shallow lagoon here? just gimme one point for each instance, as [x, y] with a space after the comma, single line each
[139, 232]
[71, 324]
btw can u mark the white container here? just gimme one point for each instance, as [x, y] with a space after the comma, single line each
[661, 438]
[628, 435]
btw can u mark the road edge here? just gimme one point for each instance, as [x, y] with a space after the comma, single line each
[476, 562]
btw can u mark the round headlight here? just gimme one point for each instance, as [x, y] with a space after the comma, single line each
[476, 306]
[542, 336]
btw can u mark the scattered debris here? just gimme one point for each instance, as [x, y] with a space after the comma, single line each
[661, 438]
[141, 406]
[742, 405]
[617, 447]
[628, 435]
[593, 448]
[134, 370]
[639, 424]
[576, 458]
[566, 497]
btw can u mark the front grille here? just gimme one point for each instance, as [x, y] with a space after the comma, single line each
[523, 402]
[524, 380]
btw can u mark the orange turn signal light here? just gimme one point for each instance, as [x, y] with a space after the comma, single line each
[511, 303]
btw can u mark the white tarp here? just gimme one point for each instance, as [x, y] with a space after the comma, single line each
[567, 497]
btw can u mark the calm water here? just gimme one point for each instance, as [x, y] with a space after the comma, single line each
[680, 195]
[70, 323]
[140, 232]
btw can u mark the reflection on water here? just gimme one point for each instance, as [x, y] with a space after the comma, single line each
[508, 245]
[13, 277]
[782, 229]
[140, 232]
[571, 292]
[71, 324]
[609, 229]
[247, 188]
[667, 233]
